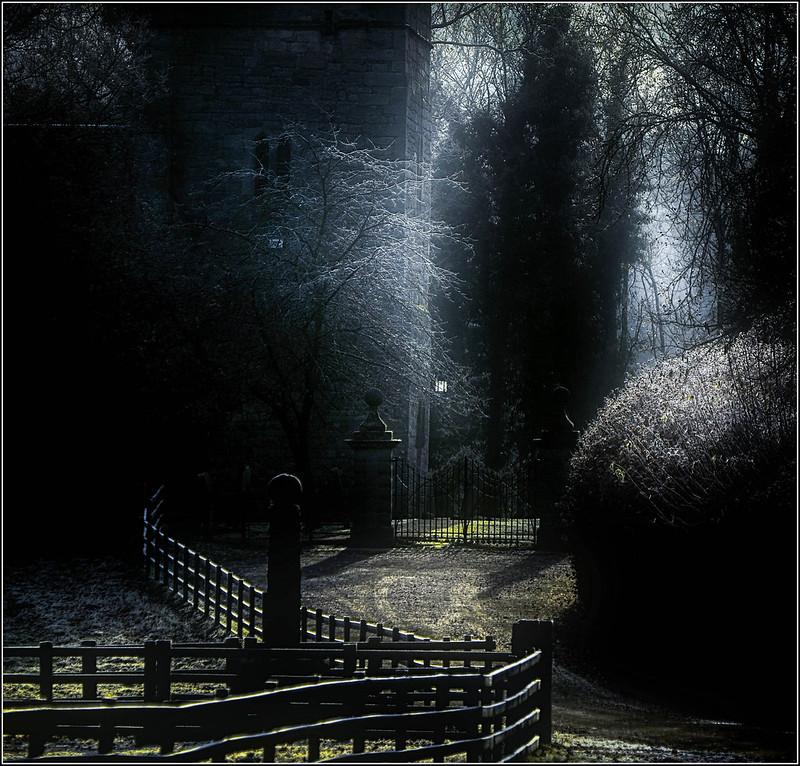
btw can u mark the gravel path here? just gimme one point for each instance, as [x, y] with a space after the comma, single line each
[452, 591]
[434, 591]
[447, 592]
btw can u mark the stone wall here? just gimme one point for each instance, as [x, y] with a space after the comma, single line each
[237, 73]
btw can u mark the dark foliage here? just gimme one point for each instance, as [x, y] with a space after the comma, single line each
[542, 243]
[719, 127]
[75, 84]
[681, 507]
[74, 63]
[76, 393]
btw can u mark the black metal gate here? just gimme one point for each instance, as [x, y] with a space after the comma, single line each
[463, 501]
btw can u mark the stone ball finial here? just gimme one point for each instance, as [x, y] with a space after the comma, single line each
[561, 395]
[374, 398]
[562, 421]
[373, 426]
[285, 489]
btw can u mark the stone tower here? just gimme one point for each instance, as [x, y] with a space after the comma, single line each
[235, 73]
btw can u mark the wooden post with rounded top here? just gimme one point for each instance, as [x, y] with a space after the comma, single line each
[282, 600]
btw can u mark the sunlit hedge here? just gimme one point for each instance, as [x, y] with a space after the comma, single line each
[691, 439]
[682, 517]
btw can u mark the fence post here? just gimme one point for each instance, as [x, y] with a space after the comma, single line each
[155, 554]
[146, 550]
[253, 668]
[163, 670]
[304, 623]
[318, 625]
[105, 740]
[472, 698]
[206, 587]
[233, 664]
[185, 570]
[150, 672]
[46, 670]
[196, 580]
[159, 555]
[240, 607]
[251, 619]
[526, 636]
[349, 659]
[217, 595]
[164, 548]
[229, 602]
[373, 664]
[36, 743]
[357, 709]
[395, 637]
[89, 665]
[486, 696]
[172, 545]
[283, 598]
[401, 702]
[442, 702]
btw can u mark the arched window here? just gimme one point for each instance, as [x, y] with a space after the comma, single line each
[261, 165]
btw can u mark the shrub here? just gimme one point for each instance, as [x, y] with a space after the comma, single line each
[681, 504]
[692, 439]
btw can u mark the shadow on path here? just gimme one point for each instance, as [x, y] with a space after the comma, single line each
[341, 560]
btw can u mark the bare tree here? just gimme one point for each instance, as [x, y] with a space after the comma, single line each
[315, 284]
[73, 63]
[479, 52]
[713, 116]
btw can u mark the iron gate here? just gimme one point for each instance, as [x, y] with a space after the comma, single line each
[462, 501]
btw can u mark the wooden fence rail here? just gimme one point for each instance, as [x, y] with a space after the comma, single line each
[230, 601]
[160, 671]
[404, 700]
[492, 716]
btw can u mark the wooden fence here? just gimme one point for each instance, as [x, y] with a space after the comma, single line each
[360, 698]
[483, 714]
[231, 601]
[160, 671]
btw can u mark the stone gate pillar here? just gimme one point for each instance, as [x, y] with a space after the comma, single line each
[372, 445]
[554, 450]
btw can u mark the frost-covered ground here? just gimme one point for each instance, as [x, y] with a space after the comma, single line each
[105, 599]
[102, 599]
[444, 591]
